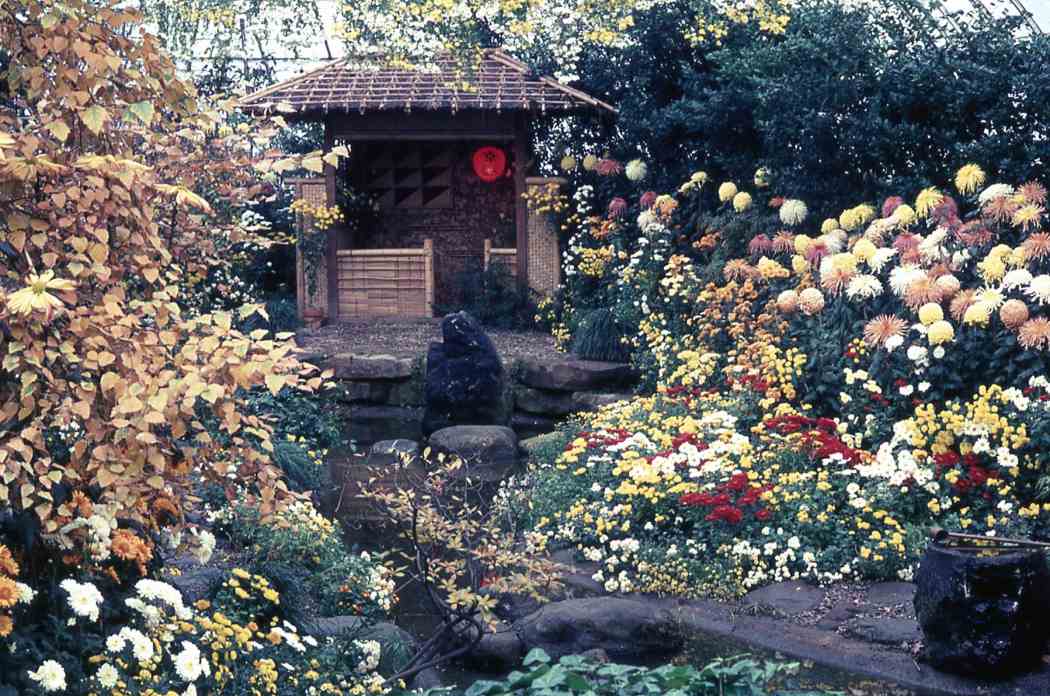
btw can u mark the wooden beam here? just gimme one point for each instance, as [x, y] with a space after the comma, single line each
[332, 248]
[521, 221]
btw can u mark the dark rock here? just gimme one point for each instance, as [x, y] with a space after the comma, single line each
[375, 391]
[626, 629]
[542, 402]
[885, 629]
[489, 452]
[390, 452]
[197, 583]
[573, 375]
[597, 656]
[838, 615]
[890, 594]
[592, 401]
[464, 377]
[367, 424]
[511, 607]
[983, 616]
[370, 367]
[785, 597]
[528, 426]
[497, 652]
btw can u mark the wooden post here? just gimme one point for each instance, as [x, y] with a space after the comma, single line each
[521, 221]
[428, 272]
[332, 248]
[488, 253]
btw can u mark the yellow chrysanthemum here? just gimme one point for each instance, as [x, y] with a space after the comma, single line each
[829, 225]
[742, 201]
[904, 215]
[969, 178]
[940, 332]
[930, 312]
[864, 249]
[928, 199]
[726, 191]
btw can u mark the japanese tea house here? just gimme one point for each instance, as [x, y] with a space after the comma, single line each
[444, 156]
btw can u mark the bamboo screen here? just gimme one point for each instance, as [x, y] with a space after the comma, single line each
[386, 282]
[508, 256]
[314, 191]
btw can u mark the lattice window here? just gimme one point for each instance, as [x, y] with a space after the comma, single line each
[410, 175]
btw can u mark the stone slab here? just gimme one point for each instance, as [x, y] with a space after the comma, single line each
[886, 630]
[574, 375]
[786, 597]
[368, 367]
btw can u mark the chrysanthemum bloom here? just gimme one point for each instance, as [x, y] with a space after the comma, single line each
[960, 303]
[636, 170]
[793, 212]
[737, 269]
[799, 264]
[864, 249]
[977, 314]
[832, 241]
[811, 301]
[882, 328]
[922, 290]
[760, 244]
[992, 269]
[568, 163]
[904, 215]
[835, 280]
[995, 191]
[1000, 209]
[726, 191]
[902, 276]
[590, 162]
[1034, 334]
[1013, 313]
[891, 204]
[946, 213]
[949, 285]
[1037, 246]
[975, 233]
[775, 202]
[699, 178]
[930, 312]
[940, 332]
[617, 207]
[1017, 278]
[828, 225]
[882, 256]
[608, 167]
[36, 296]
[783, 242]
[647, 199]
[802, 243]
[1028, 216]
[770, 269]
[991, 296]
[863, 287]
[1017, 258]
[1039, 289]
[787, 301]
[815, 252]
[906, 241]
[927, 200]
[1033, 192]
[762, 178]
[665, 205]
[969, 178]
[741, 201]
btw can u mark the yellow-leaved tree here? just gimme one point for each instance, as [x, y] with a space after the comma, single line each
[112, 403]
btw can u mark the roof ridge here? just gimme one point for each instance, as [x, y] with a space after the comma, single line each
[266, 91]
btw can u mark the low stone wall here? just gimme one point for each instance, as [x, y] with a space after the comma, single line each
[382, 396]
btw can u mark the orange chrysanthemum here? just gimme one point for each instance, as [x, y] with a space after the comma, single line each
[1013, 313]
[1033, 192]
[882, 328]
[784, 242]
[1035, 334]
[923, 291]
[1037, 246]
[960, 303]
[8, 565]
[8, 593]
[835, 280]
[128, 547]
[7, 624]
[1000, 208]
[737, 269]
[82, 504]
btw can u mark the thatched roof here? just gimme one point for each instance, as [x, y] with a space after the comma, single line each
[497, 83]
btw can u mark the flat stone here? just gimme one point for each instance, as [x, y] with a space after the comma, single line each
[365, 367]
[886, 630]
[375, 392]
[574, 375]
[838, 615]
[592, 401]
[890, 594]
[786, 597]
[544, 402]
[489, 452]
[390, 452]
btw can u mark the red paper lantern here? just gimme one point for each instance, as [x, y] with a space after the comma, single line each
[489, 163]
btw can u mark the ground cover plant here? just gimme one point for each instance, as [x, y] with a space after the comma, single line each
[825, 392]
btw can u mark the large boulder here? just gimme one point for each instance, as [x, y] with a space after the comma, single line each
[464, 377]
[983, 616]
[626, 629]
[489, 452]
[572, 374]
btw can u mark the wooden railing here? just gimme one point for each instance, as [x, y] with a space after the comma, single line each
[508, 256]
[386, 282]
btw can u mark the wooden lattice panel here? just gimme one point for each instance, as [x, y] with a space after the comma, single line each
[544, 255]
[386, 282]
[314, 192]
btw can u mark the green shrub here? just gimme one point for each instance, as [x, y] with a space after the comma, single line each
[494, 298]
[303, 472]
[599, 337]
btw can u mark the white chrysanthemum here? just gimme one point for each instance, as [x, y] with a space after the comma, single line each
[115, 643]
[84, 598]
[832, 242]
[995, 191]
[50, 675]
[1017, 278]
[188, 662]
[904, 275]
[26, 594]
[993, 297]
[636, 170]
[1039, 289]
[931, 247]
[864, 287]
[107, 676]
[793, 211]
[881, 257]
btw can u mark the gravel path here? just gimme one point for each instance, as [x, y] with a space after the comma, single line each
[412, 337]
